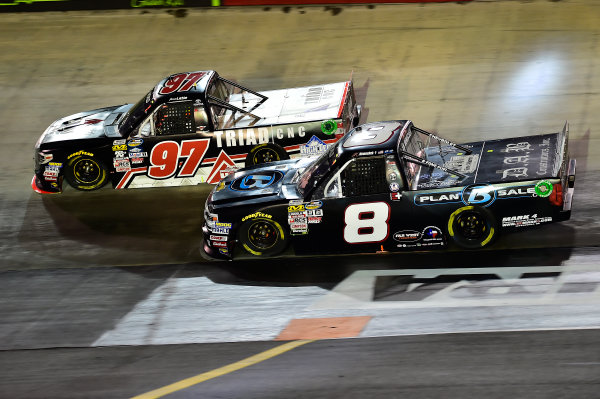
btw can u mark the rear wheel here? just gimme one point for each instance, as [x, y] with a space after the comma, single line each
[86, 173]
[263, 237]
[472, 227]
[264, 153]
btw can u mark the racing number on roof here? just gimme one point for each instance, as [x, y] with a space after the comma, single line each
[176, 82]
[366, 222]
[164, 158]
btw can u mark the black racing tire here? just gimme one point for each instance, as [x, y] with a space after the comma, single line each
[264, 153]
[261, 236]
[472, 227]
[86, 173]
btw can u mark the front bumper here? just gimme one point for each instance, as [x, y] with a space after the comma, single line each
[213, 248]
[41, 186]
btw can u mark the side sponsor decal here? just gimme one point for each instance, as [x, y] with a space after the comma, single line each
[525, 220]
[429, 237]
[476, 194]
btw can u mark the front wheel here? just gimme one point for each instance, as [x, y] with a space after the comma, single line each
[264, 153]
[472, 227]
[86, 173]
[261, 236]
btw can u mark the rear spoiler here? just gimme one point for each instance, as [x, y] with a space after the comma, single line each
[564, 167]
[562, 151]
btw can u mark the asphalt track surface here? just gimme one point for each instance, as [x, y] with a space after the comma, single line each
[105, 295]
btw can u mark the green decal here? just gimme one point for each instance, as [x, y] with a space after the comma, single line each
[328, 127]
[543, 189]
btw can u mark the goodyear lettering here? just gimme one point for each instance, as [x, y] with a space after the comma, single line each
[80, 153]
[255, 215]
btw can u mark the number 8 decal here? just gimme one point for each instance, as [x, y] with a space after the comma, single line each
[366, 222]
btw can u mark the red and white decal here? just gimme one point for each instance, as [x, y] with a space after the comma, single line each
[222, 164]
[343, 100]
[366, 222]
[164, 158]
[127, 176]
[181, 82]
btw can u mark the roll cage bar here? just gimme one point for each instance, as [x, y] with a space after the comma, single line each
[231, 107]
[424, 162]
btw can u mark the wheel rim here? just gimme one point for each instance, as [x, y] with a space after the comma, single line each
[471, 225]
[87, 171]
[263, 235]
[265, 155]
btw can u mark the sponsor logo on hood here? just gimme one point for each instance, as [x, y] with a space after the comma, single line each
[256, 181]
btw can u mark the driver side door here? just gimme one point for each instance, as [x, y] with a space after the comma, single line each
[359, 205]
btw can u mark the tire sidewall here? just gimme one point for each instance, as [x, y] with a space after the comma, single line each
[464, 242]
[276, 249]
[281, 153]
[75, 183]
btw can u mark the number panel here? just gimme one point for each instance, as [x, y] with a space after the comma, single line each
[165, 158]
[366, 222]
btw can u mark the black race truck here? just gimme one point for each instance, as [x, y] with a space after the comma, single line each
[391, 186]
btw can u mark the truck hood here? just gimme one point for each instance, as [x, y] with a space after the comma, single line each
[84, 125]
[493, 161]
[300, 104]
[274, 182]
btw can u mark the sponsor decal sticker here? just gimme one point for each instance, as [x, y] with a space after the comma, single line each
[119, 142]
[395, 196]
[314, 146]
[122, 147]
[543, 188]
[219, 244]
[218, 238]
[328, 127]
[122, 165]
[394, 187]
[135, 142]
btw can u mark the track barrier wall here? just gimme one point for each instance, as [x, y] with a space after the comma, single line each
[73, 5]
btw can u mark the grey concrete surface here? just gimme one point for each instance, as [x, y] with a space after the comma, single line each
[528, 365]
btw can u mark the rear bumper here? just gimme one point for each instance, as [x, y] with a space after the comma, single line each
[570, 186]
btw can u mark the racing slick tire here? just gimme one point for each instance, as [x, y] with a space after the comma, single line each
[263, 237]
[86, 173]
[472, 227]
[264, 153]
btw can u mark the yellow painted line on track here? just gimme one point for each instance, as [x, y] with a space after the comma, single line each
[249, 361]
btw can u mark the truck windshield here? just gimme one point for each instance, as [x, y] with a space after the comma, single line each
[135, 114]
[315, 172]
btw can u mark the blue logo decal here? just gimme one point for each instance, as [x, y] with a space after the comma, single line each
[478, 194]
[256, 181]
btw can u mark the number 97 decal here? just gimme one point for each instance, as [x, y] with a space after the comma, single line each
[164, 158]
[366, 222]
